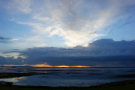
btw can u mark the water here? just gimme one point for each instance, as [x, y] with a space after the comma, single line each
[67, 76]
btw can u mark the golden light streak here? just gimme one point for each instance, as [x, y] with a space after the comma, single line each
[78, 66]
[41, 65]
[11, 65]
[47, 65]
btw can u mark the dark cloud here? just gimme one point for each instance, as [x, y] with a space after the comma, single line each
[10, 60]
[106, 52]
[12, 51]
[4, 39]
[103, 47]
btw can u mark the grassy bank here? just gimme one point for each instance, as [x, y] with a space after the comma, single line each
[124, 85]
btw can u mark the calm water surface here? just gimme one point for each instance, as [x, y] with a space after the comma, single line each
[67, 76]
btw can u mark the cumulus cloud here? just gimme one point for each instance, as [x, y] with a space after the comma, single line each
[10, 60]
[77, 22]
[104, 52]
[103, 47]
[97, 53]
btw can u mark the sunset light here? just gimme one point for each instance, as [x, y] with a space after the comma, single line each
[67, 44]
[46, 65]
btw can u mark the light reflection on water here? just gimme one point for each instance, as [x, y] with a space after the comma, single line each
[14, 80]
[68, 76]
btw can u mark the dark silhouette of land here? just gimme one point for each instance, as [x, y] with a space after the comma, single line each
[123, 85]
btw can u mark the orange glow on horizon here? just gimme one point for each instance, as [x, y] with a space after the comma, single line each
[47, 65]
[10, 65]
[41, 65]
[78, 66]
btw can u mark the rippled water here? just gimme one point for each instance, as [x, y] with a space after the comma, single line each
[67, 76]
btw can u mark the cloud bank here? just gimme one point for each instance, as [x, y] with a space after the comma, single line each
[104, 52]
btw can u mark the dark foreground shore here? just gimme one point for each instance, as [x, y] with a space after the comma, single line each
[123, 85]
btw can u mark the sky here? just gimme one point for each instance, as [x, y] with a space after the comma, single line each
[103, 52]
[26, 24]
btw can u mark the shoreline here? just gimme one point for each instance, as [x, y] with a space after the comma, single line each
[120, 85]
[116, 85]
